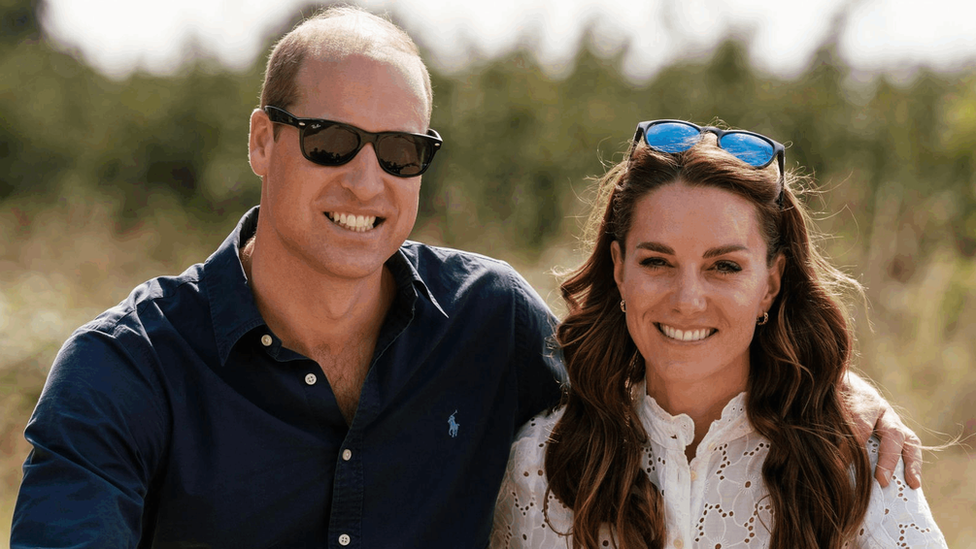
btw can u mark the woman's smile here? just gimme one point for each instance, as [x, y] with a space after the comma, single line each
[688, 335]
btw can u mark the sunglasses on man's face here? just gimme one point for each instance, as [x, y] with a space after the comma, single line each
[329, 143]
[675, 136]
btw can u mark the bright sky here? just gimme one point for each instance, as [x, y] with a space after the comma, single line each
[119, 35]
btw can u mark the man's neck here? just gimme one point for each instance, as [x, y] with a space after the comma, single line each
[309, 310]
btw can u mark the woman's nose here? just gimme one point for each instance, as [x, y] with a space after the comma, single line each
[689, 293]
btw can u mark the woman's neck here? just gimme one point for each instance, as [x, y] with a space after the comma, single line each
[701, 400]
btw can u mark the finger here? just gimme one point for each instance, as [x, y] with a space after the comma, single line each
[911, 453]
[882, 475]
[866, 422]
[890, 450]
[863, 430]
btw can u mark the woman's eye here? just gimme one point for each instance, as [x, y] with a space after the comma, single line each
[653, 262]
[727, 267]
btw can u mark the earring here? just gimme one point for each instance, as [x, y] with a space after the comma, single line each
[765, 319]
[623, 305]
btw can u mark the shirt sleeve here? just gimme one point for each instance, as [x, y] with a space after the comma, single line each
[520, 520]
[541, 373]
[897, 515]
[98, 431]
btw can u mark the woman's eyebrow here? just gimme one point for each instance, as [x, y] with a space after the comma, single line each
[655, 247]
[711, 252]
[722, 250]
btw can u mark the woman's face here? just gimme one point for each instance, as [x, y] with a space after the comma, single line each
[695, 279]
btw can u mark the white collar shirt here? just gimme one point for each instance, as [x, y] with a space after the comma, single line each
[716, 501]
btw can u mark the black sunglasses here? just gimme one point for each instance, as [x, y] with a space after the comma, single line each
[329, 143]
[674, 136]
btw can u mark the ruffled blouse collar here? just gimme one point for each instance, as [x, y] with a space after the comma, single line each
[677, 432]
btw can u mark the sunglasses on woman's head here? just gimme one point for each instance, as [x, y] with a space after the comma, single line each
[329, 143]
[675, 136]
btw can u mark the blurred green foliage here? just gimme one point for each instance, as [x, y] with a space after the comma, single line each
[518, 142]
[104, 183]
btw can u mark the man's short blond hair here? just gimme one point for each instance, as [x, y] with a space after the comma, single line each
[334, 34]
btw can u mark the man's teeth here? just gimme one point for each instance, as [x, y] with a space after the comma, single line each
[686, 335]
[358, 223]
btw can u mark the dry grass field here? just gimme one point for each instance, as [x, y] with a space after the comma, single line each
[62, 265]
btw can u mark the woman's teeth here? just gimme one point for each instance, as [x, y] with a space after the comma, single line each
[358, 223]
[686, 335]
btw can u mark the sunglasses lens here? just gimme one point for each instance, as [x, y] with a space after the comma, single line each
[403, 154]
[672, 137]
[751, 149]
[331, 145]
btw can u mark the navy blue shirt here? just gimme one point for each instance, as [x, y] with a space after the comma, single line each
[177, 419]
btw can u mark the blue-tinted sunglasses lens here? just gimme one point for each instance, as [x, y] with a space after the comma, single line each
[672, 137]
[748, 148]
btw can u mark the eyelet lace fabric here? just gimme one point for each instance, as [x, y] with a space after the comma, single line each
[718, 501]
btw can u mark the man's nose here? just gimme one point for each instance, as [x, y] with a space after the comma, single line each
[364, 177]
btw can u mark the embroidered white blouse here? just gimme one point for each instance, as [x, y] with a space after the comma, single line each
[714, 502]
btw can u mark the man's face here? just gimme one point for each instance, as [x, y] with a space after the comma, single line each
[343, 221]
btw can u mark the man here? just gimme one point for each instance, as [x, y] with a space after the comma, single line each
[318, 381]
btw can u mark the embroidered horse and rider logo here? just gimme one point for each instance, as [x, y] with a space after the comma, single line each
[452, 425]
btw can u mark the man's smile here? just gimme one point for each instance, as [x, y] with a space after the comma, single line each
[357, 223]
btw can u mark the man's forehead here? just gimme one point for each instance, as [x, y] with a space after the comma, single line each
[341, 62]
[337, 85]
[317, 71]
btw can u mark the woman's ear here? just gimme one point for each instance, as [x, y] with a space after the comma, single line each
[618, 263]
[774, 282]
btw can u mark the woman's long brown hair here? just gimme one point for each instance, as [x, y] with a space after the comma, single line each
[797, 362]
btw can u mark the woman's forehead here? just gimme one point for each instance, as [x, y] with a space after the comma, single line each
[679, 214]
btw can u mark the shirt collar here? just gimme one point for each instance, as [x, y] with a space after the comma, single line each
[406, 275]
[233, 310]
[677, 432]
[232, 307]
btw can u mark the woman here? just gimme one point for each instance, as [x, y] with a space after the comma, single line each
[704, 345]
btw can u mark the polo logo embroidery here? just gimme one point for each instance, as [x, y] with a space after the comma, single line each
[452, 425]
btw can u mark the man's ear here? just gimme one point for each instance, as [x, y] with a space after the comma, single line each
[260, 142]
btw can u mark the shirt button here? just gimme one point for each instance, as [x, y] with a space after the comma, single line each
[266, 340]
[344, 540]
[346, 454]
[678, 544]
[694, 475]
[310, 379]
